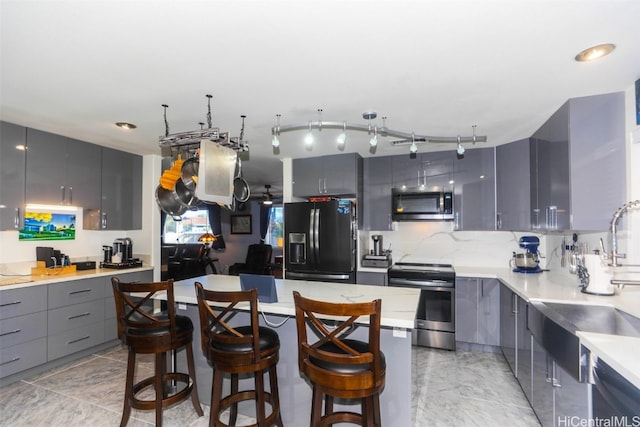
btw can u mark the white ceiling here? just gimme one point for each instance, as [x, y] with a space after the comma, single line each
[75, 67]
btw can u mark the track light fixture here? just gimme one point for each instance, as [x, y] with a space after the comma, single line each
[370, 128]
[414, 148]
[276, 141]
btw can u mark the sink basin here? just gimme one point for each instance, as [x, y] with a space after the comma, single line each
[597, 318]
[554, 326]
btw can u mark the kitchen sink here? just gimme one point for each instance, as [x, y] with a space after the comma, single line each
[554, 326]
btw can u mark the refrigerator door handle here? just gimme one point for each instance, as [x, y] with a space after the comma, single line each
[316, 232]
[311, 239]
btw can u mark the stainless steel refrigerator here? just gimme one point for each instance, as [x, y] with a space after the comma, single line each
[320, 241]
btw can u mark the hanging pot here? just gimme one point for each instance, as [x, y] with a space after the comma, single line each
[186, 196]
[189, 173]
[170, 203]
[241, 191]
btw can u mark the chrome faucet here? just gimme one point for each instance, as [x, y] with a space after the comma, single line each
[614, 229]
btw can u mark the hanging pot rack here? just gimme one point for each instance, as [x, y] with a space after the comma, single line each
[187, 143]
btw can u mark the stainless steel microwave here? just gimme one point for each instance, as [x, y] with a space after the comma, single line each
[415, 204]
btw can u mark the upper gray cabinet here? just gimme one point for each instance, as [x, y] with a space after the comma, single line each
[474, 190]
[378, 182]
[578, 154]
[61, 170]
[433, 169]
[12, 163]
[337, 175]
[121, 204]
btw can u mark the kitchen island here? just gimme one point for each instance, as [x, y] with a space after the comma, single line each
[399, 307]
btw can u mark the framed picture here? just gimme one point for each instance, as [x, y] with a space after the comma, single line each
[241, 224]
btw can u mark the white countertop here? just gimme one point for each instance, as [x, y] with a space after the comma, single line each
[399, 305]
[78, 274]
[620, 353]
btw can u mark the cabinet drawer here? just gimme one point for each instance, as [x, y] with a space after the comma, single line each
[22, 356]
[110, 329]
[17, 330]
[78, 339]
[16, 302]
[76, 291]
[74, 316]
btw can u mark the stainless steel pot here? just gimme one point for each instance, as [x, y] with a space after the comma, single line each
[186, 196]
[189, 173]
[170, 203]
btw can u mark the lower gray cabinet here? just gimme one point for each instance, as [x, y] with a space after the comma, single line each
[22, 356]
[74, 340]
[478, 311]
[370, 278]
[110, 321]
[557, 398]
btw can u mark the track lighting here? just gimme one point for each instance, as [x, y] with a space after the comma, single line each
[275, 142]
[460, 149]
[414, 148]
[342, 138]
[370, 128]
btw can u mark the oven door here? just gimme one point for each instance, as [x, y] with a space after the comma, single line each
[436, 310]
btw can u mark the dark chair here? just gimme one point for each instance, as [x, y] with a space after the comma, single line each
[337, 366]
[240, 350]
[146, 332]
[258, 261]
[188, 261]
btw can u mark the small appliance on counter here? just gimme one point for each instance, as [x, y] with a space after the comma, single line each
[377, 257]
[120, 255]
[595, 275]
[529, 260]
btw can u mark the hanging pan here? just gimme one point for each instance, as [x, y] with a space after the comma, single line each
[189, 173]
[241, 191]
[170, 203]
[186, 195]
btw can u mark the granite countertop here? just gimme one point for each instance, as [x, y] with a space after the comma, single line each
[561, 286]
[399, 305]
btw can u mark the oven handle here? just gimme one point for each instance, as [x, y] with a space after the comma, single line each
[421, 283]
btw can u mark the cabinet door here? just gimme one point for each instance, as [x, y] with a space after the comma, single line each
[542, 391]
[83, 181]
[378, 176]
[437, 169]
[369, 278]
[467, 310]
[46, 167]
[552, 184]
[571, 398]
[341, 174]
[513, 186]
[307, 177]
[598, 159]
[489, 312]
[75, 292]
[523, 348]
[407, 171]
[121, 190]
[474, 188]
[12, 175]
[508, 307]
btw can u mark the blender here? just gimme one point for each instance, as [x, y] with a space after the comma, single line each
[529, 260]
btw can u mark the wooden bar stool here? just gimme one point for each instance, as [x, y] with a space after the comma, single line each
[249, 349]
[337, 366]
[145, 332]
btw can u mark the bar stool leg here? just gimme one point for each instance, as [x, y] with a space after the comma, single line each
[316, 407]
[192, 373]
[233, 414]
[216, 396]
[258, 379]
[128, 391]
[273, 389]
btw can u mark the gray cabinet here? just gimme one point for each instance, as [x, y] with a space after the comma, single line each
[557, 397]
[61, 170]
[12, 175]
[110, 321]
[513, 186]
[474, 190]
[121, 189]
[433, 169]
[548, 182]
[515, 339]
[378, 182]
[23, 329]
[478, 311]
[75, 316]
[370, 278]
[337, 175]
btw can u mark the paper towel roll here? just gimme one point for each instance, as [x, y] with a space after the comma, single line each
[599, 275]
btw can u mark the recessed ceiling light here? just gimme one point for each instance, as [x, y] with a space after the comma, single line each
[595, 52]
[125, 125]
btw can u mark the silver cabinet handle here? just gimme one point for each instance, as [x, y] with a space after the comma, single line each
[499, 220]
[10, 303]
[79, 339]
[70, 195]
[79, 315]
[16, 220]
[62, 193]
[15, 359]
[79, 292]
[104, 220]
[15, 331]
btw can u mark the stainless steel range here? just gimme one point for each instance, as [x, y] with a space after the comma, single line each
[435, 319]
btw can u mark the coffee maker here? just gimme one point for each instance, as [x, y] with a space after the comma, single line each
[377, 257]
[529, 260]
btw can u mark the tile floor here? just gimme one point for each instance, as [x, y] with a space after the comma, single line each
[450, 389]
